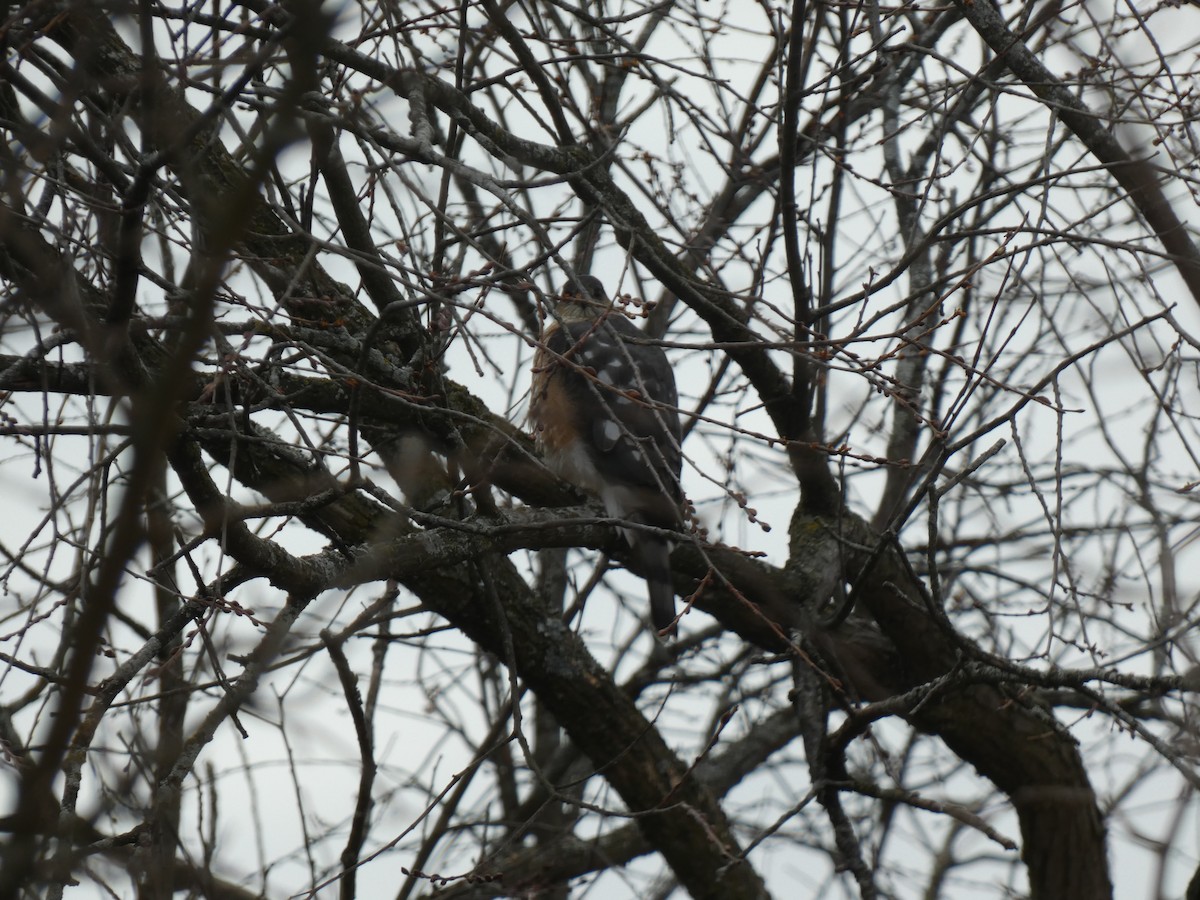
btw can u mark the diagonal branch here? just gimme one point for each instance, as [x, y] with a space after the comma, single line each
[1139, 177]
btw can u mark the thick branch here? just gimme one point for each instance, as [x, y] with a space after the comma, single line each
[1010, 740]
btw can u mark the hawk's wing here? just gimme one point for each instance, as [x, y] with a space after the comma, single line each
[621, 396]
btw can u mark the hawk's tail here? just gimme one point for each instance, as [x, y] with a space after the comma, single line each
[654, 554]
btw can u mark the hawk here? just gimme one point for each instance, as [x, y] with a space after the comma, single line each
[605, 412]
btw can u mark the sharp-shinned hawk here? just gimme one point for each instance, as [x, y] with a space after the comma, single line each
[605, 411]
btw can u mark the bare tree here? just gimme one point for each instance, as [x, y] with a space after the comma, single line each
[291, 603]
